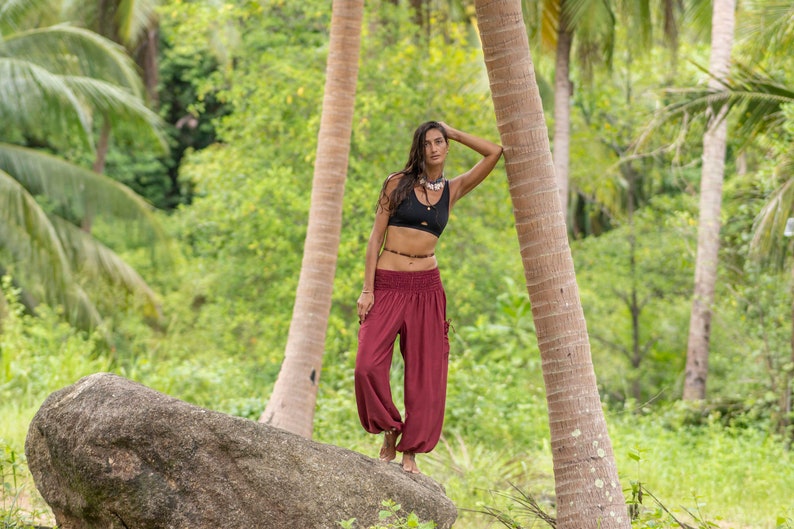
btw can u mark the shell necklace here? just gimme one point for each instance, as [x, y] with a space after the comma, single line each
[435, 185]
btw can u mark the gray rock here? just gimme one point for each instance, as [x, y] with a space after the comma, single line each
[109, 453]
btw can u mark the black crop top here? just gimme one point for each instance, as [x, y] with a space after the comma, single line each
[413, 214]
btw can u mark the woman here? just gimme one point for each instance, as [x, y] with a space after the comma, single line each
[403, 295]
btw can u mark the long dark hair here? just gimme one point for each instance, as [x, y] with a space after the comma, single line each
[414, 169]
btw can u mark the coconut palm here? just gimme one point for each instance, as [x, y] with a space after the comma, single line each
[760, 99]
[291, 405]
[593, 21]
[755, 100]
[763, 101]
[752, 96]
[588, 491]
[131, 23]
[767, 244]
[53, 81]
[583, 32]
[713, 171]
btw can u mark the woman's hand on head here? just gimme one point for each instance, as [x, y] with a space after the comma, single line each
[449, 130]
[365, 302]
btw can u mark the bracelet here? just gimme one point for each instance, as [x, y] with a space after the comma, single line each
[366, 292]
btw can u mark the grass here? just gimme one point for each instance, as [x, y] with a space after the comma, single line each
[741, 476]
[738, 478]
[734, 479]
[495, 437]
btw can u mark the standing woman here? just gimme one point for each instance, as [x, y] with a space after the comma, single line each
[403, 295]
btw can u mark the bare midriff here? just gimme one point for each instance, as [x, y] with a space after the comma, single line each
[413, 243]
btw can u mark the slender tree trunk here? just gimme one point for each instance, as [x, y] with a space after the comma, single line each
[147, 60]
[419, 12]
[87, 222]
[635, 308]
[102, 146]
[741, 164]
[785, 398]
[291, 406]
[3, 302]
[588, 490]
[562, 106]
[714, 142]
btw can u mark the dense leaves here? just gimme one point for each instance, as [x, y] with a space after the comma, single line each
[241, 87]
[56, 81]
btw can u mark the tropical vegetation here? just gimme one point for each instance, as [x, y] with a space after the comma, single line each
[179, 267]
[57, 79]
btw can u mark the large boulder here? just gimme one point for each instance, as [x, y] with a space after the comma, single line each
[109, 453]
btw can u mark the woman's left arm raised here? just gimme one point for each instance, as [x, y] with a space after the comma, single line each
[491, 152]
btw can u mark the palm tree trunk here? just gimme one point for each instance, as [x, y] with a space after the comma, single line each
[588, 490]
[102, 146]
[562, 106]
[714, 142]
[147, 60]
[291, 406]
[786, 386]
[87, 222]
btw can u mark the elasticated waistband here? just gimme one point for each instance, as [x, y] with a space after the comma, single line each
[407, 281]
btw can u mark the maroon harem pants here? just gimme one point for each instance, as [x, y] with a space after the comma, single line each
[411, 305]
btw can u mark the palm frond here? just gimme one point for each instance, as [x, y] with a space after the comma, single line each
[594, 24]
[550, 11]
[39, 262]
[133, 18]
[698, 14]
[768, 26]
[761, 99]
[757, 97]
[80, 190]
[770, 224]
[98, 261]
[34, 100]
[140, 124]
[69, 50]
[596, 20]
[13, 13]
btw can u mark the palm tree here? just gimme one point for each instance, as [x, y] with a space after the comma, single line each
[291, 406]
[588, 490]
[54, 79]
[714, 146]
[770, 225]
[131, 23]
[563, 92]
[756, 99]
[585, 30]
[594, 22]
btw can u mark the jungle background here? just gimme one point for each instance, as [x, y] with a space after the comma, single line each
[204, 317]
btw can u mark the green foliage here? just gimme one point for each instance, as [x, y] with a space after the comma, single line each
[250, 76]
[634, 284]
[673, 458]
[491, 387]
[12, 475]
[660, 494]
[39, 355]
[59, 81]
[391, 517]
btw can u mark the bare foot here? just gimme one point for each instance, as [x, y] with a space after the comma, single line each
[409, 463]
[388, 451]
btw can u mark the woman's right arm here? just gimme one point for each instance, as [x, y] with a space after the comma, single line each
[376, 237]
